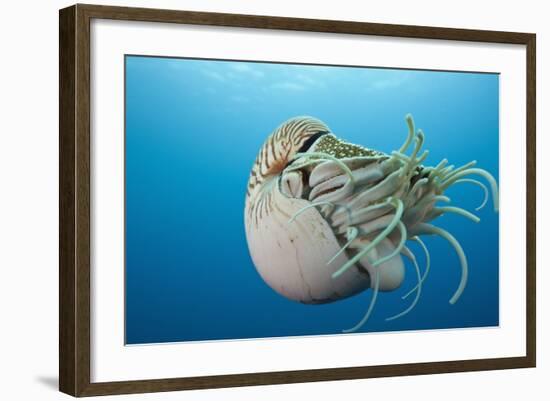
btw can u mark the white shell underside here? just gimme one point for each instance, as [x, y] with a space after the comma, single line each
[291, 255]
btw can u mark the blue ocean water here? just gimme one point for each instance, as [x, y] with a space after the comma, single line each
[193, 129]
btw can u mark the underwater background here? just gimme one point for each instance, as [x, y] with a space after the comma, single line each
[193, 130]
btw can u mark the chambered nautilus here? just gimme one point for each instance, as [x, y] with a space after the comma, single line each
[326, 219]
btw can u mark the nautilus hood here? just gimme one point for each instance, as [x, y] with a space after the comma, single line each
[332, 145]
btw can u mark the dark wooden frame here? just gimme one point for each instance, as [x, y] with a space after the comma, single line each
[74, 199]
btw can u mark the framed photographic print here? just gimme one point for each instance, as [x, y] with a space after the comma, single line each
[251, 200]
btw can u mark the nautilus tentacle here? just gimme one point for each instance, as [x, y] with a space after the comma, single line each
[417, 288]
[426, 270]
[482, 186]
[326, 219]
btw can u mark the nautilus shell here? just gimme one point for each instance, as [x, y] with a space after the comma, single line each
[326, 219]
